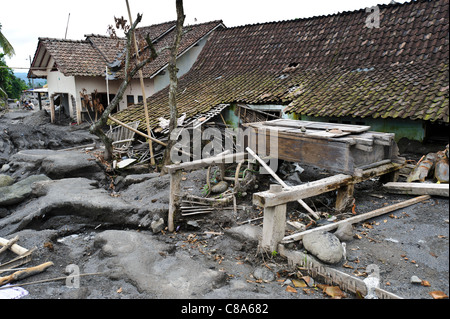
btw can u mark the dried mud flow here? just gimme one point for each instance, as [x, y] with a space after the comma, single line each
[100, 223]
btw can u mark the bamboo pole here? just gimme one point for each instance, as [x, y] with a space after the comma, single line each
[357, 219]
[136, 131]
[141, 78]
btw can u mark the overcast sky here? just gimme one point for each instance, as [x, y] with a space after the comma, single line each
[25, 21]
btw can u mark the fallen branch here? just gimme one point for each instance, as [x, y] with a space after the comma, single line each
[22, 274]
[356, 219]
[51, 280]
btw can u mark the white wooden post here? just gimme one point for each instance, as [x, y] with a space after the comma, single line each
[274, 223]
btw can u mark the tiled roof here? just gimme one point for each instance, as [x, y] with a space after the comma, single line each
[89, 57]
[325, 66]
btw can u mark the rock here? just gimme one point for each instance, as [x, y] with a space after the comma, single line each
[264, 274]
[144, 260]
[344, 232]
[6, 180]
[325, 246]
[244, 233]
[18, 192]
[219, 187]
[415, 280]
[157, 225]
[56, 165]
[80, 200]
[5, 168]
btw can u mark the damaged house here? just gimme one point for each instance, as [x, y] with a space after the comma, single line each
[76, 70]
[337, 68]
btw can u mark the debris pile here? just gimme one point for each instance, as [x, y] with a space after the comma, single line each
[433, 166]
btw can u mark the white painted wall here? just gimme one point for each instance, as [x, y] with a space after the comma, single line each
[184, 64]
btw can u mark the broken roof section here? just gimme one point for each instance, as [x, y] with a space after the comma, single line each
[90, 56]
[331, 65]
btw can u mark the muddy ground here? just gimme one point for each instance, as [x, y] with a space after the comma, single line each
[106, 231]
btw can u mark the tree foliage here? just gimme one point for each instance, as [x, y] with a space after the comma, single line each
[9, 83]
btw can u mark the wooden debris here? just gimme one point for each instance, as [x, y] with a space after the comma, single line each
[9, 244]
[18, 250]
[358, 218]
[22, 274]
[345, 281]
[281, 182]
[432, 189]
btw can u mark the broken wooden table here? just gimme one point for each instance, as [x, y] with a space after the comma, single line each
[275, 200]
[339, 148]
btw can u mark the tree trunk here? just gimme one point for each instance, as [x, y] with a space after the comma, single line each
[97, 127]
[173, 71]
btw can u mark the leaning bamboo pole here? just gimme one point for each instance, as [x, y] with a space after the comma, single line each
[141, 78]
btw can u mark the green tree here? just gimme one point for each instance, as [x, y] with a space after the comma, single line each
[10, 85]
[5, 45]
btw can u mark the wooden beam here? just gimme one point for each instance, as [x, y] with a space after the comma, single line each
[357, 219]
[136, 131]
[418, 189]
[321, 186]
[189, 166]
[307, 190]
[331, 275]
[274, 224]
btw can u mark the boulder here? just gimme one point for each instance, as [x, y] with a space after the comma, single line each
[55, 165]
[325, 246]
[18, 192]
[6, 180]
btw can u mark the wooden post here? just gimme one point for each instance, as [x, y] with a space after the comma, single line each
[344, 196]
[141, 78]
[174, 199]
[52, 108]
[274, 223]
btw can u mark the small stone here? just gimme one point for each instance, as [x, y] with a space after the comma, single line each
[415, 280]
[157, 226]
[264, 274]
[220, 187]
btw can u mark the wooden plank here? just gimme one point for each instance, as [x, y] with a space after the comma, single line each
[418, 189]
[331, 275]
[321, 186]
[189, 166]
[318, 125]
[357, 219]
[267, 199]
